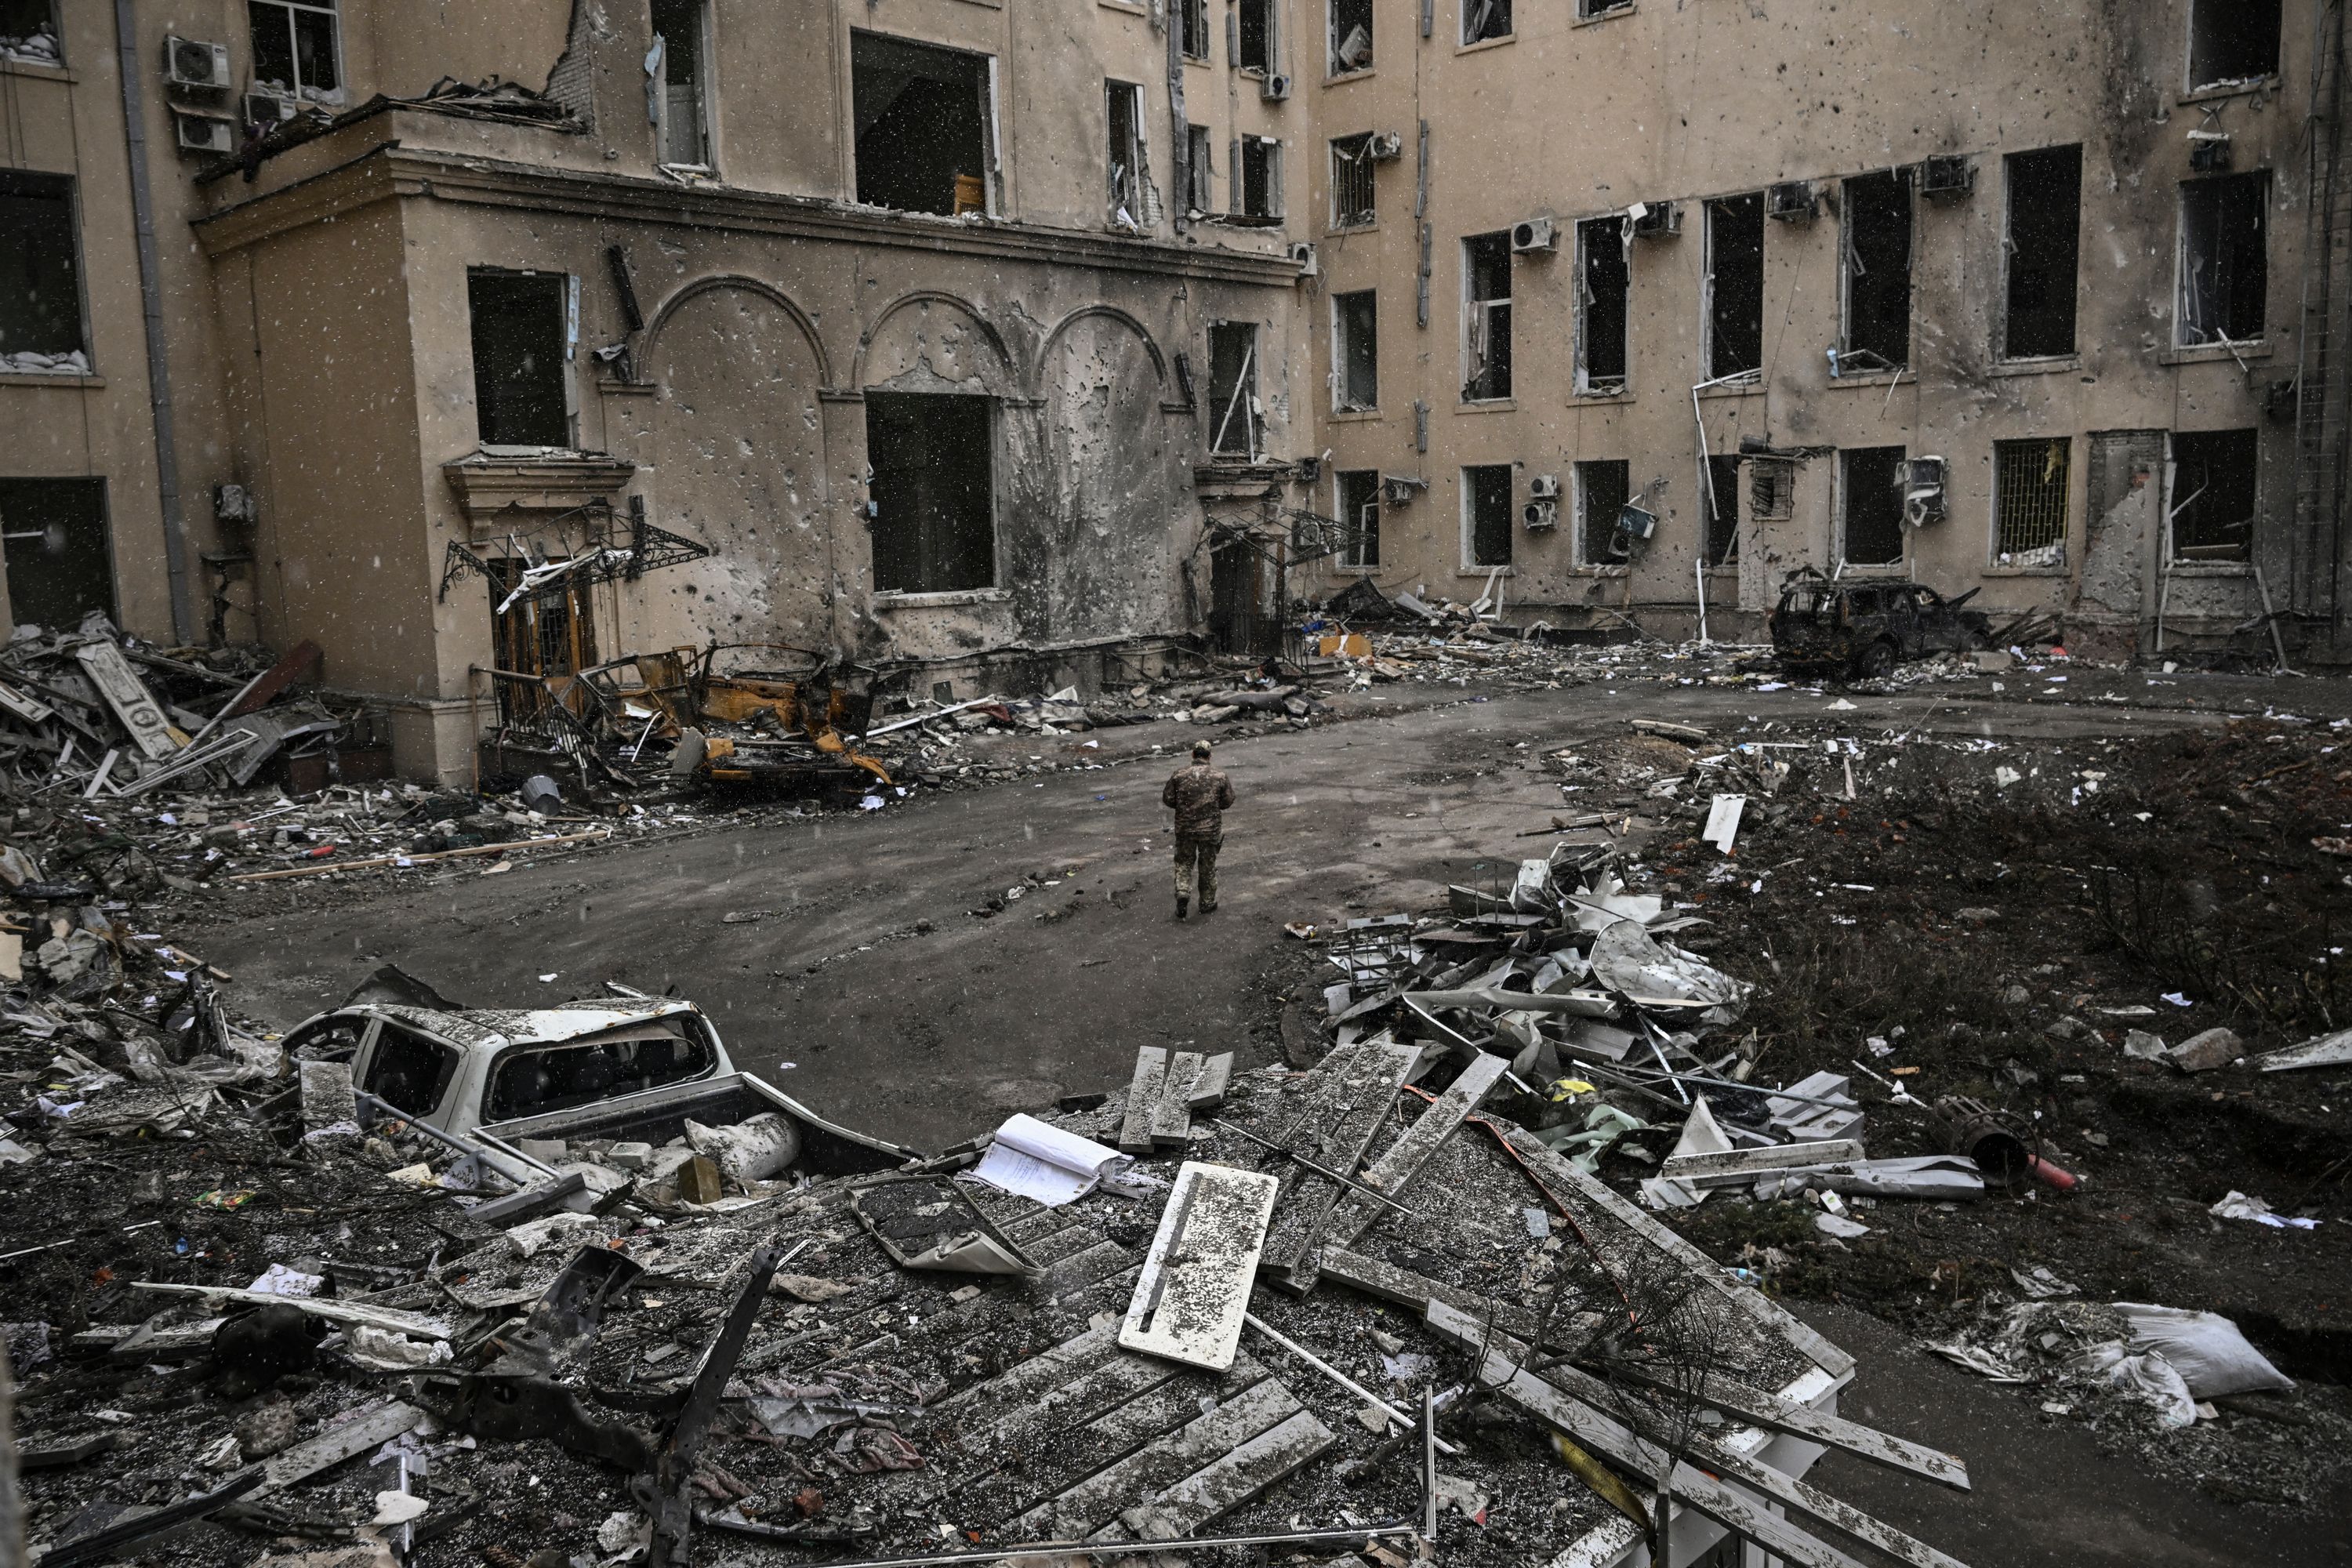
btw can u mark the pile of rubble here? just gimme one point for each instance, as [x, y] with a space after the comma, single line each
[1339, 1310]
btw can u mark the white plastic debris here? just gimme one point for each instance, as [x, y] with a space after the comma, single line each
[2238, 1205]
[2213, 1358]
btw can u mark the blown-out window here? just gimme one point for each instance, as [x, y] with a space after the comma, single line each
[296, 49]
[934, 492]
[924, 125]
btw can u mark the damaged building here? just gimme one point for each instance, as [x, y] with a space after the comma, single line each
[488, 347]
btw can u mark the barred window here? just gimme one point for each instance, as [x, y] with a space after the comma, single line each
[1351, 181]
[2029, 489]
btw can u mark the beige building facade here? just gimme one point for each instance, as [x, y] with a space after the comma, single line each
[983, 342]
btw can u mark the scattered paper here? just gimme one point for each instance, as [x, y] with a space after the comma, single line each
[1722, 820]
[1033, 1159]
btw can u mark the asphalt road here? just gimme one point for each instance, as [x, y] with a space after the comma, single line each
[907, 1015]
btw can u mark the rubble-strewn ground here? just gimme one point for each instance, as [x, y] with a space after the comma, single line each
[886, 953]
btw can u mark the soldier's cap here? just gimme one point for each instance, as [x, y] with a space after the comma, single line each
[1201, 748]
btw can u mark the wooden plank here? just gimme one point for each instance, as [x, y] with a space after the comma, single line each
[1565, 1179]
[1738, 1164]
[944, 1333]
[333, 1445]
[1158, 1465]
[1336, 1129]
[1402, 1162]
[1390, 1283]
[1194, 1289]
[1227, 1481]
[1589, 1428]
[127, 695]
[1172, 1118]
[31, 710]
[1775, 1413]
[1142, 1099]
[1048, 1370]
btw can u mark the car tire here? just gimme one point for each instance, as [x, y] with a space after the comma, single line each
[1875, 662]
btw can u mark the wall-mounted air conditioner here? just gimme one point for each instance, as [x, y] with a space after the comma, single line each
[1633, 523]
[204, 133]
[1947, 177]
[1655, 220]
[1539, 515]
[1273, 87]
[1792, 201]
[1922, 492]
[2208, 151]
[1398, 489]
[1535, 237]
[1384, 146]
[1302, 251]
[188, 62]
[1544, 486]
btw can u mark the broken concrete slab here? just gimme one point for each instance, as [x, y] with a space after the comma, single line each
[2206, 1050]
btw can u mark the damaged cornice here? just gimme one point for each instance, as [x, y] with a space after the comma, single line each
[394, 170]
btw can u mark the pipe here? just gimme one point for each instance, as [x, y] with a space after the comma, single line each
[150, 299]
[2044, 1171]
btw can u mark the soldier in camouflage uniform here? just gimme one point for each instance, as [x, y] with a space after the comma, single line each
[1199, 796]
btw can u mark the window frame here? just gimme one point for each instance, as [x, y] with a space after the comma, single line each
[1341, 358]
[1353, 556]
[2226, 84]
[1240, 180]
[1200, 168]
[1333, 70]
[2174, 505]
[706, 130]
[1580, 476]
[568, 335]
[1586, 385]
[333, 11]
[2009, 251]
[2260, 180]
[1270, 25]
[1113, 87]
[1247, 383]
[1707, 295]
[1188, 12]
[1718, 478]
[1342, 222]
[992, 141]
[1847, 259]
[56, 31]
[1462, 13]
[1998, 557]
[1469, 505]
[995, 581]
[1846, 492]
[1472, 304]
[68, 188]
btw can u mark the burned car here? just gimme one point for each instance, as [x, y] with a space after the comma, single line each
[1864, 628]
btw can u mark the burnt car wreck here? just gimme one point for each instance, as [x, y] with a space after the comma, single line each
[1864, 629]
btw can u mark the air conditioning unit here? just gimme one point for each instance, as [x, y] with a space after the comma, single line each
[1791, 202]
[204, 132]
[1654, 220]
[1302, 251]
[1635, 523]
[1948, 177]
[1274, 87]
[190, 63]
[2208, 151]
[1922, 492]
[1544, 486]
[1384, 146]
[1539, 515]
[1398, 489]
[266, 109]
[233, 503]
[1535, 235]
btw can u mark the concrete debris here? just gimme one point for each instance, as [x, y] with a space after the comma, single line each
[841, 1350]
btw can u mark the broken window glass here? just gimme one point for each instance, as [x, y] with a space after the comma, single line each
[683, 129]
[1256, 29]
[1875, 223]
[923, 125]
[53, 534]
[2213, 494]
[1123, 112]
[1355, 351]
[41, 324]
[1721, 505]
[550, 631]
[2224, 258]
[1359, 517]
[1200, 169]
[1233, 389]
[2028, 490]
[1352, 36]
[1604, 283]
[1351, 181]
[1587, 9]
[2232, 41]
[28, 32]
[934, 492]
[1485, 19]
[1734, 286]
[295, 49]
[1871, 493]
[1487, 514]
[2045, 211]
[1260, 185]
[1487, 317]
[1603, 486]
[407, 1071]
[520, 393]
